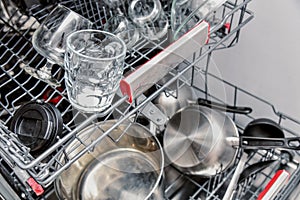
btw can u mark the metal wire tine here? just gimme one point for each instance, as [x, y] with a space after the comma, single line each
[173, 183]
[58, 155]
[7, 111]
[239, 190]
[83, 142]
[247, 184]
[65, 155]
[123, 132]
[13, 145]
[92, 10]
[44, 170]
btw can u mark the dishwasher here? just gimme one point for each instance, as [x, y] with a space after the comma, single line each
[27, 176]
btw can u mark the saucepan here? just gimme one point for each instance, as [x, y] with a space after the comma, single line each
[195, 141]
[128, 167]
[178, 95]
[203, 141]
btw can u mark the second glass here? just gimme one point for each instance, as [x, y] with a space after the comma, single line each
[49, 40]
[94, 63]
[149, 16]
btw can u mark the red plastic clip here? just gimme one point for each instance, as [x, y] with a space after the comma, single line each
[37, 188]
[54, 99]
[227, 25]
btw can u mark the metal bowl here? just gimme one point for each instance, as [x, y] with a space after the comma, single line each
[131, 168]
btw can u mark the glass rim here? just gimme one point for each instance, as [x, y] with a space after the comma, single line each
[123, 53]
[65, 8]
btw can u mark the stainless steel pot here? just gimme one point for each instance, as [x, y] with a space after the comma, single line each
[195, 141]
[131, 168]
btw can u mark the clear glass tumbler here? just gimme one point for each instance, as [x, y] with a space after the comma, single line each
[49, 40]
[94, 63]
[149, 16]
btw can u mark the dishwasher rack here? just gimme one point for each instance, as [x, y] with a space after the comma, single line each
[17, 87]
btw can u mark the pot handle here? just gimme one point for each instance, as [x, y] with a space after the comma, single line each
[224, 107]
[248, 142]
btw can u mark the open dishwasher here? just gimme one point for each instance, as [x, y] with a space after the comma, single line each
[27, 176]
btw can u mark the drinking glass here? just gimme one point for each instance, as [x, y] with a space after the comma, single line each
[49, 40]
[119, 25]
[94, 62]
[185, 14]
[150, 17]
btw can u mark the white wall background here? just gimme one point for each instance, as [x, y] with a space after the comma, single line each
[266, 61]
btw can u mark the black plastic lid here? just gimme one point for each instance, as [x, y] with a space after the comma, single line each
[37, 125]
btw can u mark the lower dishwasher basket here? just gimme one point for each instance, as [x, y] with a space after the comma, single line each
[18, 165]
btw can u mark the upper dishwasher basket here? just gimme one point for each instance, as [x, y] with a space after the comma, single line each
[17, 87]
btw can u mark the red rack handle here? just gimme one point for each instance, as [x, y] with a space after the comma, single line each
[274, 185]
[156, 68]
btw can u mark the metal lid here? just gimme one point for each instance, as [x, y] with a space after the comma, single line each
[37, 124]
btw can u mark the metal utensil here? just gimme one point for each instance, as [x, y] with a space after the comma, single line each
[174, 97]
[201, 133]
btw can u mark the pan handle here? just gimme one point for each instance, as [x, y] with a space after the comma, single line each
[224, 107]
[248, 142]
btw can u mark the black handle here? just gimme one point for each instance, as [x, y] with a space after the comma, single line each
[223, 107]
[254, 169]
[269, 143]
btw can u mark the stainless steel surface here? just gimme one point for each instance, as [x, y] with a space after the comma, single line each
[230, 191]
[153, 113]
[124, 173]
[195, 141]
[174, 97]
[131, 168]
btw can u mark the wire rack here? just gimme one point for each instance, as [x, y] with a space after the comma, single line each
[18, 87]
